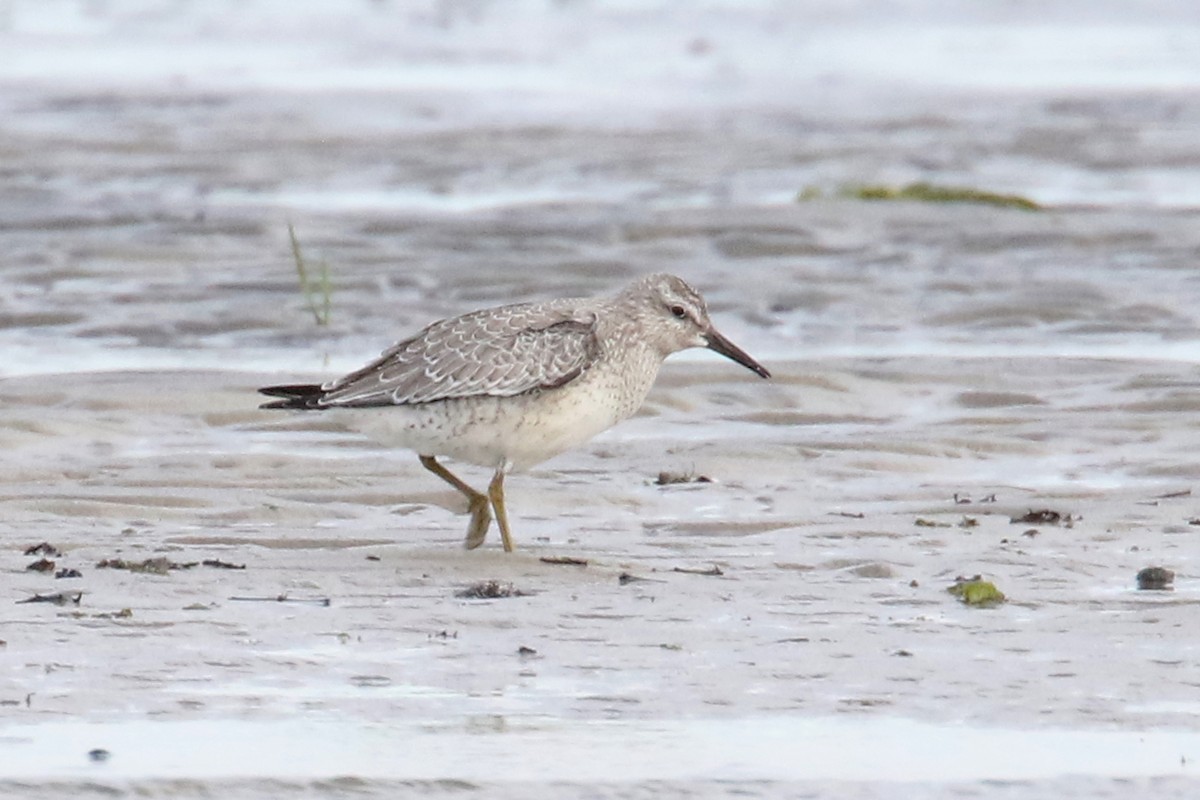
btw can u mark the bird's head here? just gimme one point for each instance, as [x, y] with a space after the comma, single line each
[677, 318]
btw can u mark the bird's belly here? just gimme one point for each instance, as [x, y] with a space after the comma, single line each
[523, 430]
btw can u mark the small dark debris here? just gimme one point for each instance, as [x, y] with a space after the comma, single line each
[1155, 579]
[864, 702]
[41, 565]
[968, 522]
[99, 754]
[1173, 495]
[671, 478]
[964, 499]
[68, 573]
[1031, 532]
[525, 652]
[913, 583]
[283, 598]
[444, 634]
[793, 640]
[43, 549]
[714, 571]
[153, 566]
[849, 514]
[567, 560]
[368, 681]
[903, 653]
[215, 562]
[124, 613]
[162, 565]
[921, 522]
[58, 598]
[374, 558]
[628, 577]
[1043, 516]
[489, 590]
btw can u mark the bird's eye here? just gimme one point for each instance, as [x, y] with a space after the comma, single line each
[679, 311]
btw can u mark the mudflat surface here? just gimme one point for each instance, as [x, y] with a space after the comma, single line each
[800, 597]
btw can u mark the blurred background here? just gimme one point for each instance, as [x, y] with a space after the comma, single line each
[438, 156]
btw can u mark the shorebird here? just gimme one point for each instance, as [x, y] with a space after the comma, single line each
[509, 387]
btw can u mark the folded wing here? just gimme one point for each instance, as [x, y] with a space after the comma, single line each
[498, 352]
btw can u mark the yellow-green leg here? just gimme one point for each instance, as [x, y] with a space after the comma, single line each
[477, 503]
[496, 493]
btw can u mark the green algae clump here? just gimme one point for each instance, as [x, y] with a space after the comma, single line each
[977, 592]
[922, 192]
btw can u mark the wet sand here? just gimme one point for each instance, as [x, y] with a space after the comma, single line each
[802, 591]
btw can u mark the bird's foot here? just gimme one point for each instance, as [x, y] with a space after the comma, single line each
[481, 520]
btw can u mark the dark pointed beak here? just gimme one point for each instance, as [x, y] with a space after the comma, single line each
[719, 344]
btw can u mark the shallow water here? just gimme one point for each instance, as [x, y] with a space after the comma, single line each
[783, 749]
[940, 370]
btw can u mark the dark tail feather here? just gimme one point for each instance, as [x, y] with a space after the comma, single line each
[297, 396]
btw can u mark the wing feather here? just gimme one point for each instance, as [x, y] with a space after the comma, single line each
[498, 352]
